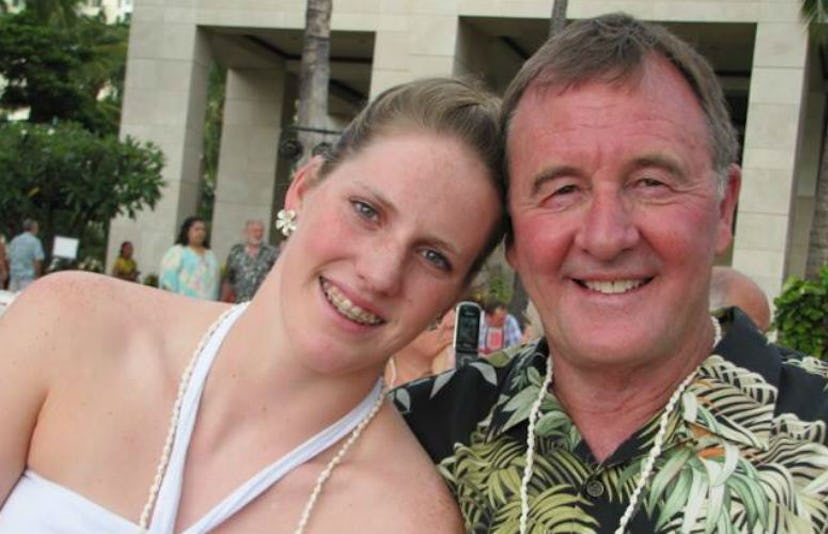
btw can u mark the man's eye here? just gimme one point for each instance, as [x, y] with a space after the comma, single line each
[566, 190]
[364, 210]
[650, 182]
[439, 260]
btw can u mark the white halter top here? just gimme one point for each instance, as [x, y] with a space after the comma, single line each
[38, 505]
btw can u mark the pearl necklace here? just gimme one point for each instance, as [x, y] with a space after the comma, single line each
[326, 473]
[143, 523]
[649, 463]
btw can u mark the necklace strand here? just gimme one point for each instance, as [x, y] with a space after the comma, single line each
[649, 463]
[143, 523]
[164, 461]
[326, 473]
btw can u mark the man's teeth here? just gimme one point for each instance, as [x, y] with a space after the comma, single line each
[613, 287]
[347, 308]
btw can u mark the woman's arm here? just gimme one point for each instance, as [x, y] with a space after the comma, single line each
[28, 334]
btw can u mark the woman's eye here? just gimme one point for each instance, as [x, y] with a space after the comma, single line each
[436, 258]
[364, 210]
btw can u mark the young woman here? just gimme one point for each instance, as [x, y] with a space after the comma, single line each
[278, 423]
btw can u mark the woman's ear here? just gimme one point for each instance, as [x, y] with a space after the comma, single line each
[304, 179]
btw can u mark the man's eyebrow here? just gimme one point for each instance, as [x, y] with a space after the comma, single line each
[659, 161]
[551, 173]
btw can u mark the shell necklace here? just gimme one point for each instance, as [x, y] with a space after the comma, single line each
[649, 463]
[143, 523]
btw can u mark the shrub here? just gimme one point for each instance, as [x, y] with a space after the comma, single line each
[801, 318]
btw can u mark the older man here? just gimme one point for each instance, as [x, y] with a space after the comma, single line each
[247, 264]
[632, 414]
[25, 257]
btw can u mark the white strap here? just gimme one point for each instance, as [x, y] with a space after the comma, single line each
[271, 474]
[169, 495]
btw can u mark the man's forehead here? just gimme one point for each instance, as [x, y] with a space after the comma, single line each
[654, 90]
[655, 70]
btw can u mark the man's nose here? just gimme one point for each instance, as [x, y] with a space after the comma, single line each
[608, 227]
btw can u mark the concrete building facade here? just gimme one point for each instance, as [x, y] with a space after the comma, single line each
[773, 76]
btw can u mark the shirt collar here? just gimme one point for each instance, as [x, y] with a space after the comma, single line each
[744, 368]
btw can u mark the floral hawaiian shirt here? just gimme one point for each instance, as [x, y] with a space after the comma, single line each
[746, 451]
[246, 273]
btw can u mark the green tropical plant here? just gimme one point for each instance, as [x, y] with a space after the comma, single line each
[60, 71]
[69, 178]
[150, 280]
[211, 142]
[801, 318]
[60, 13]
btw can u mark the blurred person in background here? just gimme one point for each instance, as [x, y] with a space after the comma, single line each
[499, 329]
[189, 267]
[125, 267]
[430, 353]
[4, 266]
[247, 264]
[25, 257]
[729, 287]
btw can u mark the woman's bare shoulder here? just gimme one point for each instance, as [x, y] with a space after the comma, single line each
[69, 302]
[76, 313]
[413, 494]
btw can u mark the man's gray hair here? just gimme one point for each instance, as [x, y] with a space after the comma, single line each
[614, 48]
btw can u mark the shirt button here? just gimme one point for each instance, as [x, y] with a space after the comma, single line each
[594, 489]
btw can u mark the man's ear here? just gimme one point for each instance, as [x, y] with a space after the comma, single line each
[304, 180]
[727, 208]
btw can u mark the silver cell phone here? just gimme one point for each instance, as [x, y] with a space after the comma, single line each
[466, 331]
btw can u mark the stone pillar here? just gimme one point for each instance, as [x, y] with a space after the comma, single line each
[247, 160]
[424, 47]
[164, 101]
[810, 154]
[772, 138]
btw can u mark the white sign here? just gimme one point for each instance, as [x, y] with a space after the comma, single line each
[65, 247]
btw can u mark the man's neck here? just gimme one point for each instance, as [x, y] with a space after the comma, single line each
[609, 406]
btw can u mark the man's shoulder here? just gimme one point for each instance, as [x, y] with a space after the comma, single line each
[269, 252]
[445, 409]
[799, 382]
[19, 238]
[803, 386]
